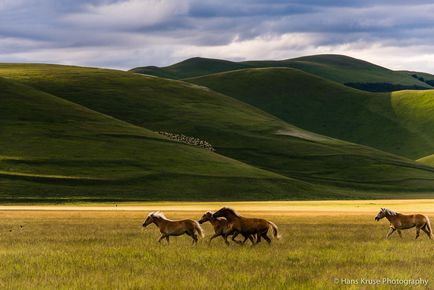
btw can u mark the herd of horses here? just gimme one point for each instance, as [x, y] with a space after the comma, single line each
[227, 222]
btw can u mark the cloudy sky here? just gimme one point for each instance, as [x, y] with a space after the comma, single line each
[127, 33]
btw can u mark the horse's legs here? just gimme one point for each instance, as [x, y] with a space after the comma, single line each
[417, 233]
[225, 237]
[400, 235]
[194, 237]
[252, 240]
[258, 240]
[245, 239]
[264, 235]
[391, 231]
[234, 236]
[167, 239]
[162, 237]
[426, 230]
[214, 236]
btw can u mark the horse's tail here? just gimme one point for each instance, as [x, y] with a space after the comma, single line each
[275, 230]
[429, 228]
[199, 229]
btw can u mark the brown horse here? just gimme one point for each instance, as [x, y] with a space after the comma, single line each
[221, 227]
[247, 226]
[173, 228]
[400, 222]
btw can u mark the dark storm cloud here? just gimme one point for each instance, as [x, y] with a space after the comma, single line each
[125, 33]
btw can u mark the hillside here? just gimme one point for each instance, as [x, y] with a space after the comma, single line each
[349, 71]
[54, 149]
[423, 77]
[400, 122]
[235, 129]
[343, 69]
[196, 66]
[415, 110]
[429, 160]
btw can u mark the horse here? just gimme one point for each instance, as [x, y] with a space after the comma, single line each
[221, 227]
[173, 228]
[400, 222]
[247, 226]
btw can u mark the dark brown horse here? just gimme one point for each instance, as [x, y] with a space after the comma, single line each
[400, 222]
[247, 226]
[221, 227]
[173, 228]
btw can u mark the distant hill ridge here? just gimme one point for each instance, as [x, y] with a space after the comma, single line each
[343, 69]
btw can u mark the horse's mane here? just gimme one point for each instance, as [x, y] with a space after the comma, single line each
[390, 212]
[232, 210]
[158, 214]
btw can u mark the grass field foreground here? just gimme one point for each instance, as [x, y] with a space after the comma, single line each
[84, 248]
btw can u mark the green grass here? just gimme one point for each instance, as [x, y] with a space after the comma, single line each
[344, 69]
[427, 160]
[52, 148]
[415, 110]
[421, 76]
[339, 68]
[314, 166]
[196, 66]
[108, 250]
[397, 122]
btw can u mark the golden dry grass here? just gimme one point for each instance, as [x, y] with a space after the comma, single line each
[84, 248]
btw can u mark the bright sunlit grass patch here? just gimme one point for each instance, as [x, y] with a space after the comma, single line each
[109, 249]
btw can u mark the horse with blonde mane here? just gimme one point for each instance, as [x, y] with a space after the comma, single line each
[400, 222]
[173, 228]
[247, 226]
[221, 227]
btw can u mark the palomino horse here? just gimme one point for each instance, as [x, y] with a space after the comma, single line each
[221, 227]
[400, 222]
[247, 226]
[173, 228]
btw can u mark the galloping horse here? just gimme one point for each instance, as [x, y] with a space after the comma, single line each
[221, 227]
[247, 226]
[173, 228]
[400, 222]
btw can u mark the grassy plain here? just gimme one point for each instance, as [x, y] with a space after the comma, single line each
[103, 246]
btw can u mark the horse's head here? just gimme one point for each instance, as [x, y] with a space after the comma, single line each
[149, 219]
[381, 214]
[206, 217]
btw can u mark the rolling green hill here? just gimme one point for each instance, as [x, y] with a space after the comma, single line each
[427, 160]
[423, 77]
[196, 66]
[349, 71]
[52, 148]
[235, 129]
[343, 69]
[400, 122]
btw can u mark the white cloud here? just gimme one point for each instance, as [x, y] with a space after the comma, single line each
[128, 14]
[260, 47]
[128, 33]
[416, 57]
[10, 4]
